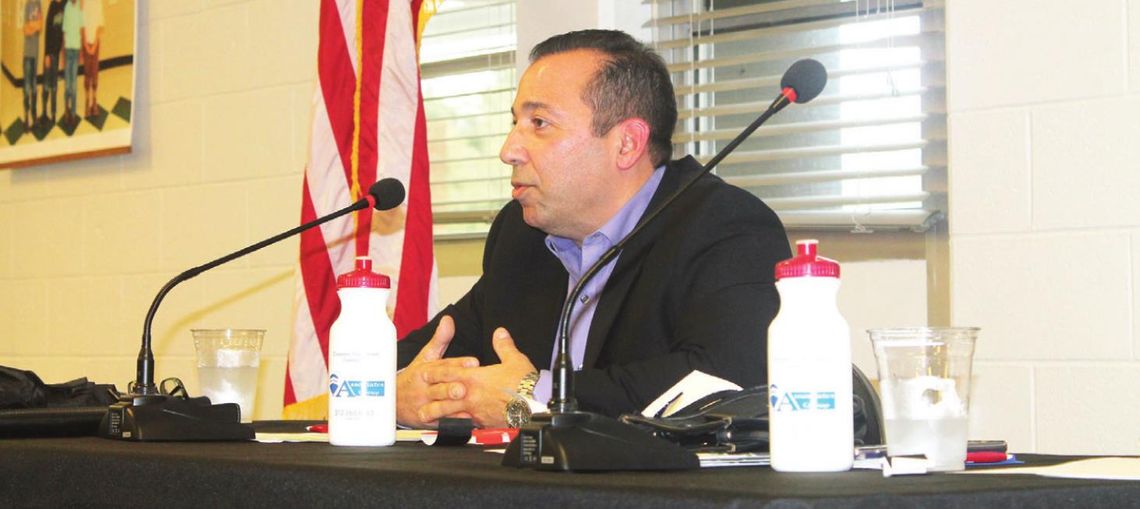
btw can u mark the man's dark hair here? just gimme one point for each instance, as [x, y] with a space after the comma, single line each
[633, 82]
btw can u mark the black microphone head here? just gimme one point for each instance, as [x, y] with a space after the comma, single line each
[388, 193]
[807, 77]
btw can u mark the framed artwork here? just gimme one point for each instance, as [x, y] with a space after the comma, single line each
[67, 85]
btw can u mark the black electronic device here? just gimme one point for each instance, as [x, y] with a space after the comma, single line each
[147, 414]
[569, 439]
[986, 446]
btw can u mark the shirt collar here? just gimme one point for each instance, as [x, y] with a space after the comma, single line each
[613, 231]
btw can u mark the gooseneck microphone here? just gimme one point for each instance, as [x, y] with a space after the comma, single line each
[571, 440]
[147, 414]
[802, 82]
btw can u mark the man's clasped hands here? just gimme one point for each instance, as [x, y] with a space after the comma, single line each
[432, 387]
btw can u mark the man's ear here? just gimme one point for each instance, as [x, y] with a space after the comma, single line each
[632, 139]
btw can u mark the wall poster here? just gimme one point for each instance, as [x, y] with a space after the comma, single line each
[67, 86]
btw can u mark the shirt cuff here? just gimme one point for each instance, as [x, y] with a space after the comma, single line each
[543, 386]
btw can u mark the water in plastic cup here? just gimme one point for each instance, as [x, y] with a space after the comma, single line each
[227, 365]
[924, 382]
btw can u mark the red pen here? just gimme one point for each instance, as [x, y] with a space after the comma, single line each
[494, 436]
[986, 457]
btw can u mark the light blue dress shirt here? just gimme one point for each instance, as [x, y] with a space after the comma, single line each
[577, 259]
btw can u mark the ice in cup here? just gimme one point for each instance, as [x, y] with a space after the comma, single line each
[924, 384]
[227, 366]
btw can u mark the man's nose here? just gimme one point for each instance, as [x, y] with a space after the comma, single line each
[512, 152]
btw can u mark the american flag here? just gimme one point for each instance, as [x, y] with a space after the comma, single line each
[368, 123]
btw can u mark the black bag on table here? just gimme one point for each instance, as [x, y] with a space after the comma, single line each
[31, 408]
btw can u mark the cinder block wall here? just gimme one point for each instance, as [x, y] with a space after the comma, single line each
[1044, 103]
[221, 123]
[222, 118]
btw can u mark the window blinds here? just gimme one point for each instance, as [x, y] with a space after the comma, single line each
[468, 77]
[868, 153]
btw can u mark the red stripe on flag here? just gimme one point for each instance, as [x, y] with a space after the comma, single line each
[319, 283]
[418, 252]
[374, 21]
[417, 256]
[290, 396]
[337, 81]
[416, 4]
[318, 276]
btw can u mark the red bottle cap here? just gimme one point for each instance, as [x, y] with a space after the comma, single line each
[807, 263]
[363, 277]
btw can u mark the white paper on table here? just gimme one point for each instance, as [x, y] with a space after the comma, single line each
[1111, 468]
[903, 465]
[278, 438]
[402, 435]
[898, 465]
[694, 386]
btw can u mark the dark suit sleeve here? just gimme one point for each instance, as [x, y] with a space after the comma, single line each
[715, 313]
[467, 324]
[467, 314]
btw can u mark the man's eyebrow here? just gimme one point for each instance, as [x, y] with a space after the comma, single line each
[531, 106]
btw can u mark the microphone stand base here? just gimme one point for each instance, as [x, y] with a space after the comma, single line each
[584, 441]
[163, 418]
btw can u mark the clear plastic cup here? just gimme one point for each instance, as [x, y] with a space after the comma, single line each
[924, 382]
[227, 365]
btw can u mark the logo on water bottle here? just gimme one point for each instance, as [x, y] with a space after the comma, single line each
[796, 401]
[374, 387]
[354, 388]
[343, 389]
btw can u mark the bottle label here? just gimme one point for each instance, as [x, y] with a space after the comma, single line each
[795, 400]
[354, 388]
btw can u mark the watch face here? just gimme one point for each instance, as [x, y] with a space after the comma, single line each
[518, 412]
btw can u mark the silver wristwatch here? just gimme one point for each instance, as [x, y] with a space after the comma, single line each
[518, 410]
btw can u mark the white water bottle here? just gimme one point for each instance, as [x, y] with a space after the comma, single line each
[809, 368]
[362, 361]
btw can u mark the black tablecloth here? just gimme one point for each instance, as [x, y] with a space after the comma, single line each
[100, 472]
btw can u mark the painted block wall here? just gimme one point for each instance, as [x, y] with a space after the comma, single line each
[221, 135]
[1044, 112]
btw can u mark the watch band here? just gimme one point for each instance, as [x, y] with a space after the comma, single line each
[526, 385]
[518, 408]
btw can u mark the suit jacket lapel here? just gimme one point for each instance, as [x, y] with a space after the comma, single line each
[546, 310]
[613, 296]
[544, 279]
[629, 264]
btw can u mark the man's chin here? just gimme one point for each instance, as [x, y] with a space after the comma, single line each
[532, 218]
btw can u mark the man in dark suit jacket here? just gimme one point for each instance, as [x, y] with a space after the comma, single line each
[594, 116]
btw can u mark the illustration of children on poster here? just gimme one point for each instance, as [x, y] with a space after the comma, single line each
[82, 50]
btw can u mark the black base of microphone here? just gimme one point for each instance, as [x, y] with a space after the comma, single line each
[583, 441]
[163, 418]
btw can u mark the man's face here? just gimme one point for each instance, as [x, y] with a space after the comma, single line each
[560, 169]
